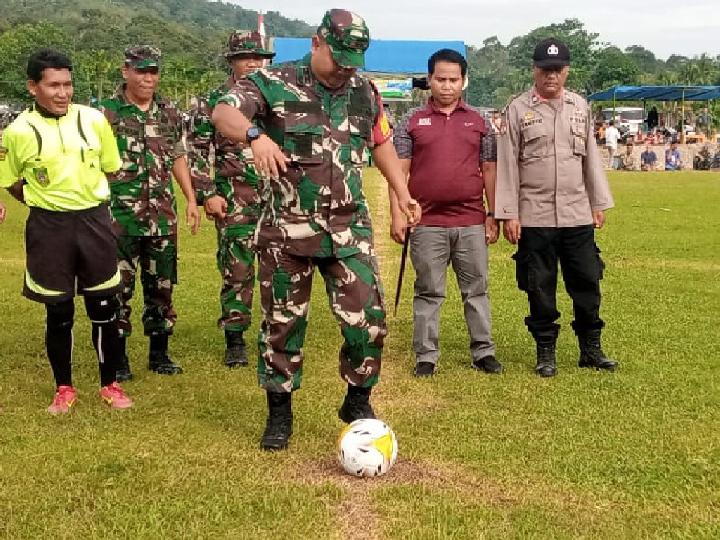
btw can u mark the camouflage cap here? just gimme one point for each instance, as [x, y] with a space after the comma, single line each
[142, 56]
[347, 35]
[247, 42]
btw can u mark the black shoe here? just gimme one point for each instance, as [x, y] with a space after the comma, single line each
[591, 353]
[235, 353]
[123, 373]
[545, 366]
[356, 405]
[488, 364]
[279, 421]
[424, 369]
[159, 361]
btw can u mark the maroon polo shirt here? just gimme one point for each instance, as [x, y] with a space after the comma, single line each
[446, 152]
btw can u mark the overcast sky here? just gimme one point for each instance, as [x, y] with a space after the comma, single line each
[688, 27]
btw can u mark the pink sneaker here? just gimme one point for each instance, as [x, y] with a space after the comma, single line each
[115, 396]
[64, 400]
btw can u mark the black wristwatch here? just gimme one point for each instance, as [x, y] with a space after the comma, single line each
[253, 134]
[490, 214]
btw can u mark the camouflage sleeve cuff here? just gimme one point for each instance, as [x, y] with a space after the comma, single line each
[246, 106]
[381, 131]
[230, 99]
[204, 189]
[401, 138]
[488, 150]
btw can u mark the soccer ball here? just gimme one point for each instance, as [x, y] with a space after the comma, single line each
[367, 447]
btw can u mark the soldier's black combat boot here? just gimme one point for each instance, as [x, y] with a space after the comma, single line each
[356, 404]
[235, 354]
[591, 353]
[123, 372]
[545, 366]
[159, 361]
[279, 421]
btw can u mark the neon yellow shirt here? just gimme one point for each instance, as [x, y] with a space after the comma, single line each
[63, 160]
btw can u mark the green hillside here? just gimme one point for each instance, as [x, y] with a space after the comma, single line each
[191, 34]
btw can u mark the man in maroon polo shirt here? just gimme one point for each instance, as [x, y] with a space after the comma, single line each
[449, 152]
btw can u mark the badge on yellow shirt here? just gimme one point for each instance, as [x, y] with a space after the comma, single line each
[3, 153]
[41, 175]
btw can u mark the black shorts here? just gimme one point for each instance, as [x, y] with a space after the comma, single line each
[69, 251]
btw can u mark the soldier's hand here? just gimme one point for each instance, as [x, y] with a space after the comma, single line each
[598, 219]
[192, 215]
[511, 230]
[269, 159]
[398, 227]
[2, 213]
[491, 230]
[215, 207]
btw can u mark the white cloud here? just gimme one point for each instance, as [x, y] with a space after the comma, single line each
[663, 26]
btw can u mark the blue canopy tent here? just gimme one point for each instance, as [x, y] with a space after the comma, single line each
[681, 93]
[384, 56]
[390, 63]
[657, 93]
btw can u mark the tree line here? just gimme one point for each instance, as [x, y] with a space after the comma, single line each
[192, 34]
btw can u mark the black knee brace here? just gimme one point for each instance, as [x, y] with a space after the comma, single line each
[101, 309]
[60, 316]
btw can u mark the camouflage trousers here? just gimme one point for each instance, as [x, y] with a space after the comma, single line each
[356, 299]
[157, 258]
[236, 263]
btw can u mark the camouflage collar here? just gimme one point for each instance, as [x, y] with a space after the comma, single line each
[307, 78]
[157, 102]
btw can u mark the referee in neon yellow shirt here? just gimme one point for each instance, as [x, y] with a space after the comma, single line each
[62, 152]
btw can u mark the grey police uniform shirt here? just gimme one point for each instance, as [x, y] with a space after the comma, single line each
[550, 173]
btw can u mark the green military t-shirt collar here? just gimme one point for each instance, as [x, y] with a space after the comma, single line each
[120, 96]
[304, 70]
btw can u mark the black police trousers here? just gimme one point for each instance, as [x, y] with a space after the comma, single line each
[536, 269]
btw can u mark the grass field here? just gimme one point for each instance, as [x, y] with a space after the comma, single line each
[635, 454]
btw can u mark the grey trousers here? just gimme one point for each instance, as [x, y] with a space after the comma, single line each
[432, 249]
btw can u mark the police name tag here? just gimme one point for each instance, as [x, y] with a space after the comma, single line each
[41, 175]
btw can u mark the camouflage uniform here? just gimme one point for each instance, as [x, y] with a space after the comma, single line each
[143, 203]
[316, 215]
[236, 181]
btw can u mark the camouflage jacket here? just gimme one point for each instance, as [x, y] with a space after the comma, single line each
[318, 207]
[230, 163]
[142, 195]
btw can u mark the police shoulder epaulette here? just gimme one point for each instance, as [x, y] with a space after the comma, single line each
[571, 96]
[503, 111]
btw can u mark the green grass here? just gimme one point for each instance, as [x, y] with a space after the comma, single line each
[635, 454]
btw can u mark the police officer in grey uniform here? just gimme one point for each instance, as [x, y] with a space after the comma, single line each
[551, 194]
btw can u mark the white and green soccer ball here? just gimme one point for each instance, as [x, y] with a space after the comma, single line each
[367, 447]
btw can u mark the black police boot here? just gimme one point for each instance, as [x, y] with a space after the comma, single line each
[159, 361]
[279, 421]
[356, 405]
[545, 366]
[235, 354]
[123, 372]
[591, 353]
